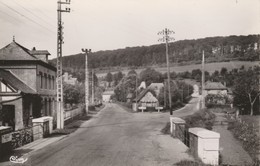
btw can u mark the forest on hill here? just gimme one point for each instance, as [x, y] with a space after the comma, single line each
[217, 49]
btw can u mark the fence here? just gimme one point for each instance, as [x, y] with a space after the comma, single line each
[179, 130]
[72, 113]
[182, 133]
[23, 136]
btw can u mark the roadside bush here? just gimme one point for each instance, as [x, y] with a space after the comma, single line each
[190, 163]
[247, 135]
[218, 100]
[204, 118]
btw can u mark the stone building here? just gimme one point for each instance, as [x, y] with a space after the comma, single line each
[27, 85]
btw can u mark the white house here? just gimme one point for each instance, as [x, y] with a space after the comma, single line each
[106, 96]
[215, 88]
[156, 87]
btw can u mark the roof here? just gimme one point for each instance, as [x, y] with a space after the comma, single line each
[156, 86]
[15, 82]
[142, 94]
[108, 93]
[214, 86]
[15, 51]
[129, 96]
[39, 52]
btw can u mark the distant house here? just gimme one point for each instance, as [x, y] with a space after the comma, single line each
[106, 96]
[145, 99]
[156, 87]
[215, 88]
[67, 78]
[129, 97]
[142, 85]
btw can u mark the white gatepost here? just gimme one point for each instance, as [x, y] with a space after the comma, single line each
[205, 145]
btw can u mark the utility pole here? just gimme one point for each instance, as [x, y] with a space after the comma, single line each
[60, 113]
[164, 95]
[93, 91]
[203, 81]
[166, 38]
[86, 51]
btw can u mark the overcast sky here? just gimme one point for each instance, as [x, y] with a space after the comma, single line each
[113, 24]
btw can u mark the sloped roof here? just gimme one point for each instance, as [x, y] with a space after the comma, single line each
[129, 96]
[142, 94]
[156, 86]
[214, 86]
[15, 82]
[15, 51]
[108, 93]
[149, 97]
[39, 52]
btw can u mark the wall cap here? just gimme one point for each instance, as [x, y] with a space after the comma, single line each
[177, 120]
[204, 133]
[42, 119]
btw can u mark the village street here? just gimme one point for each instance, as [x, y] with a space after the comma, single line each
[115, 137]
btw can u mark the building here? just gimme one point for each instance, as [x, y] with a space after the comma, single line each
[68, 79]
[156, 87]
[215, 88]
[28, 88]
[142, 85]
[129, 97]
[145, 99]
[106, 96]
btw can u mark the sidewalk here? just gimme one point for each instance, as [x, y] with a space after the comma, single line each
[26, 150]
[232, 151]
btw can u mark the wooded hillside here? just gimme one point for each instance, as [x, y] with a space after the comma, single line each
[216, 49]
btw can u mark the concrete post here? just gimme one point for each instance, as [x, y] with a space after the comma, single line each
[205, 145]
[175, 121]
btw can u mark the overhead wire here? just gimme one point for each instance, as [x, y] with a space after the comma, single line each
[17, 12]
[33, 13]
[10, 16]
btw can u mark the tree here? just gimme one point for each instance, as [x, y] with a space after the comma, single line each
[131, 72]
[109, 78]
[150, 75]
[72, 94]
[246, 89]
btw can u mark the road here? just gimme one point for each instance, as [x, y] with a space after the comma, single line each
[115, 138]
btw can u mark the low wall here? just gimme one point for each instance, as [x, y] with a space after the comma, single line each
[203, 143]
[69, 115]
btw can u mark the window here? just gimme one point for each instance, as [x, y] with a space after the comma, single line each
[41, 80]
[49, 81]
[45, 81]
[53, 82]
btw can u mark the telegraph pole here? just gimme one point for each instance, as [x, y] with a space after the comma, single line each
[60, 113]
[86, 51]
[93, 90]
[203, 81]
[166, 38]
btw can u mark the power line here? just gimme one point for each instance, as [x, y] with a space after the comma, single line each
[17, 12]
[33, 14]
[10, 16]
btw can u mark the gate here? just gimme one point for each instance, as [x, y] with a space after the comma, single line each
[182, 133]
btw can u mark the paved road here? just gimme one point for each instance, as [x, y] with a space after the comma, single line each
[115, 138]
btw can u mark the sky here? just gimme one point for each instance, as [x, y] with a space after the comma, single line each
[113, 24]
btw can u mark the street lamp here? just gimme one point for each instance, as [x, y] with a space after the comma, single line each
[86, 51]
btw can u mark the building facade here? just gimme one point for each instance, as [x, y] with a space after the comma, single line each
[30, 70]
